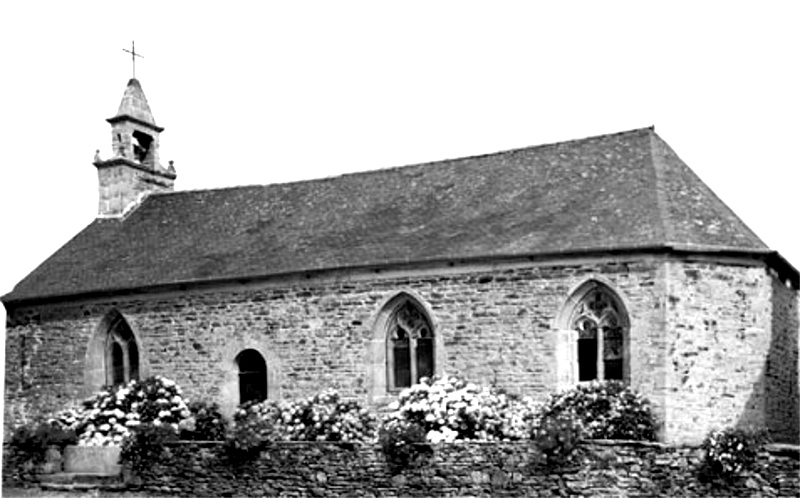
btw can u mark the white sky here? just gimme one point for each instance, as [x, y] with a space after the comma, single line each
[255, 93]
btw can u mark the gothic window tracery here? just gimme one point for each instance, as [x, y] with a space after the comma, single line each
[410, 347]
[122, 354]
[601, 336]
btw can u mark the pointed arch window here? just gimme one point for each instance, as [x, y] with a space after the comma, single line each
[410, 346]
[601, 326]
[122, 354]
[252, 376]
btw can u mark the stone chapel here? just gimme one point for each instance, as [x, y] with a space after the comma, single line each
[530, 270]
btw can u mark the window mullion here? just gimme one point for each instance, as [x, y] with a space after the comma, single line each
[109, 361]
[412, 352]
[390, 363]
[601, 364]
[126, 362]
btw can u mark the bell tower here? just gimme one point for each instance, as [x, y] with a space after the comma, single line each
[134, 170]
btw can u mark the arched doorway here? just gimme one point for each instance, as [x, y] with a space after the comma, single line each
[252, 376]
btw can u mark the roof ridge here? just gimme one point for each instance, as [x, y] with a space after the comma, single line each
[707, 191]
[661, 202]
[725, 205]
[518, 149]
[386, 169]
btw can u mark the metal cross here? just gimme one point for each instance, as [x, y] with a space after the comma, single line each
[134, 55]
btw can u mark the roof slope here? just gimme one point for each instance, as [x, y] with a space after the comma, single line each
[621, 191]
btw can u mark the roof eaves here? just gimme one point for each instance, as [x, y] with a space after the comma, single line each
[784, 268]
[701, 248]
[130, 117]
[11, 299]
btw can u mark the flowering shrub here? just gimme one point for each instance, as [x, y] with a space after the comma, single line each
[729, 452]
[69, 419]
[607, 410]
[557, 437]
[403, 443]
[449, 408]
[252, 430]
[29, 443]
[108, 417]
[144, 446]
[323, 417]
[205, 423]
[159, 401]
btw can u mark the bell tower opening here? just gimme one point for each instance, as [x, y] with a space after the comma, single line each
[141, 147]
[134, 170]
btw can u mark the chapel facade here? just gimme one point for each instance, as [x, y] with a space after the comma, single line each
[530, 270]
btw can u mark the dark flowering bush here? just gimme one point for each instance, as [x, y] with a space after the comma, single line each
[28, 447]
[252, 430]
[403, 443]
[144, 446]
[448, 408]
[729, 452]
[607, 410]
[205, 423]
[29, 443]
[556, 437]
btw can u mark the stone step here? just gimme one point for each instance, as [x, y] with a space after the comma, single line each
[66, 481]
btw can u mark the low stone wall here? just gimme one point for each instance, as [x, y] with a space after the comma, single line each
[463, 469]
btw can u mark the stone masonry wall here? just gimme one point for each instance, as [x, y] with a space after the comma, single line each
[781, 370]
[464, 469]
[495, 325]
[719, 338]
[701, 346]
[121, 186]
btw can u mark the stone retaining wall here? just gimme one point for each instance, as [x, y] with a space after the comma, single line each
[463, 469]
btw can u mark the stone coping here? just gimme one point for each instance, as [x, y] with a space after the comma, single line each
[783, 449]
[774, 448]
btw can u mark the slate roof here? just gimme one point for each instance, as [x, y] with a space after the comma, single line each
[621, 191]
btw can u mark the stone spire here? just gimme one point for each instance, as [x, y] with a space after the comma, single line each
[134, 170]
[134, 105]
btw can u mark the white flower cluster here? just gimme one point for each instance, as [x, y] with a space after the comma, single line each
[69, 419]
[728, 452]
[324, 417]
[109, 416]
[109, 433]
[451, 409]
